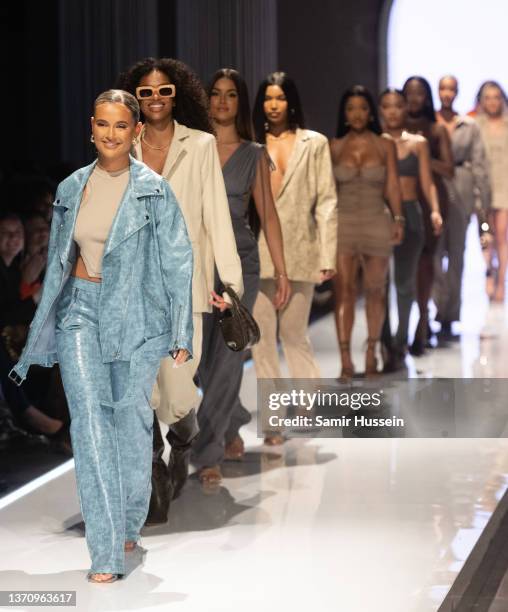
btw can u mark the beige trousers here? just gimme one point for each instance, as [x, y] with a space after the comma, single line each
[293, 322]
[174, 393]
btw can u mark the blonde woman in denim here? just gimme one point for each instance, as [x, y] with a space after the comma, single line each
[116, 300]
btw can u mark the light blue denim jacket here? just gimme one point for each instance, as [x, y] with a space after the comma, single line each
[146, 296]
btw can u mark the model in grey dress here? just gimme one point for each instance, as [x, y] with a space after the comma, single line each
[221, 413]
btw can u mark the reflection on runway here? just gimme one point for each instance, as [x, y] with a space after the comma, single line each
[368, 525]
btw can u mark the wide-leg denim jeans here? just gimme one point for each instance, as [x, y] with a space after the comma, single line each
[111, 427]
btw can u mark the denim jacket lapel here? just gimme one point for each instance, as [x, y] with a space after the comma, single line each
[130, 217]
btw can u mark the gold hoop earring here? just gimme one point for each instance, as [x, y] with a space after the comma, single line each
[92, 138]
[134, 141]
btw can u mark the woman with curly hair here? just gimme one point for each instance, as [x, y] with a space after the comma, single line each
[177, 142]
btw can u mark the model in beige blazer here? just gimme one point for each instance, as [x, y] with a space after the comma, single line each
[307, 208]
[193, 171]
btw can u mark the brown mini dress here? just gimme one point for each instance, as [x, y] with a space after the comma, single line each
[364, 221]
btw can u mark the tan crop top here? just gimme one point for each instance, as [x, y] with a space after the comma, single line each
[101, 199]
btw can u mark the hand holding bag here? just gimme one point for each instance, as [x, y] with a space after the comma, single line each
[239, 328]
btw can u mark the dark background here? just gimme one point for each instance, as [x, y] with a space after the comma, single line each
[59, 54]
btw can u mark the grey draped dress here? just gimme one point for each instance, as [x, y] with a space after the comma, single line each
[220, 372]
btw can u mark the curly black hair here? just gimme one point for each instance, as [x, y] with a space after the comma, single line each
[191, 108]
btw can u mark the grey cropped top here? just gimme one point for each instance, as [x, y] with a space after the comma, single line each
[408, 166]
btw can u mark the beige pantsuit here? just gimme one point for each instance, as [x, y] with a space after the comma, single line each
[193, 171]
[307, 209]
[292, 323]
[175, 392]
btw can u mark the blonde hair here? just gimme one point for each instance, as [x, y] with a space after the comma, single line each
[119, 96]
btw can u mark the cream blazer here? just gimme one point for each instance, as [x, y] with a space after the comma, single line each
[307, 207]
[193, 171]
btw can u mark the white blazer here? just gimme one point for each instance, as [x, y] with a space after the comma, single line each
[193, 171]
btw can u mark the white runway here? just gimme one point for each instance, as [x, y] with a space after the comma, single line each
[349, 525]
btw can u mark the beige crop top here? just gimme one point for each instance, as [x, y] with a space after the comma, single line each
[102, 197]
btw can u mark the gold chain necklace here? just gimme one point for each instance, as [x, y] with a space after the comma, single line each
[151, 146]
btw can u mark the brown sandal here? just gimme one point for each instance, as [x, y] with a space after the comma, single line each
[235, 450]
[91, 578]
[210, 475]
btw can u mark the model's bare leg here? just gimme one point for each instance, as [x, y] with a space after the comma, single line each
[488, 246]
[375, 271]
[425, 278]
[347, 269]
[500, 229]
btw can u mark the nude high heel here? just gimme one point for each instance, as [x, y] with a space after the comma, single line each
[371, 370]
[347, 372]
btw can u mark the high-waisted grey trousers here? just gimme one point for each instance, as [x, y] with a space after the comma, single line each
[452, 242]
[406, 256]
[111, 427]
[221, 413]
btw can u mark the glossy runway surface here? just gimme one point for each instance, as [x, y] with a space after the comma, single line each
[367, 525]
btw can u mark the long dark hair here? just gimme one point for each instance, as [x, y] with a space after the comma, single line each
[484, 86]
[391, 90]
[295, 110]
[243, 119]
[191, 102]
[362, 92]
[428, 110]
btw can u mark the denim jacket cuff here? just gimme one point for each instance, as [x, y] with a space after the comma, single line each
[183, 345]
[18, 373]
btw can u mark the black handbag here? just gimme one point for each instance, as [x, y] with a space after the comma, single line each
[239, 328]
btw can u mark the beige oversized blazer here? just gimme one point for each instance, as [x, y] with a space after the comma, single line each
[193, 171]
[307, 207]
